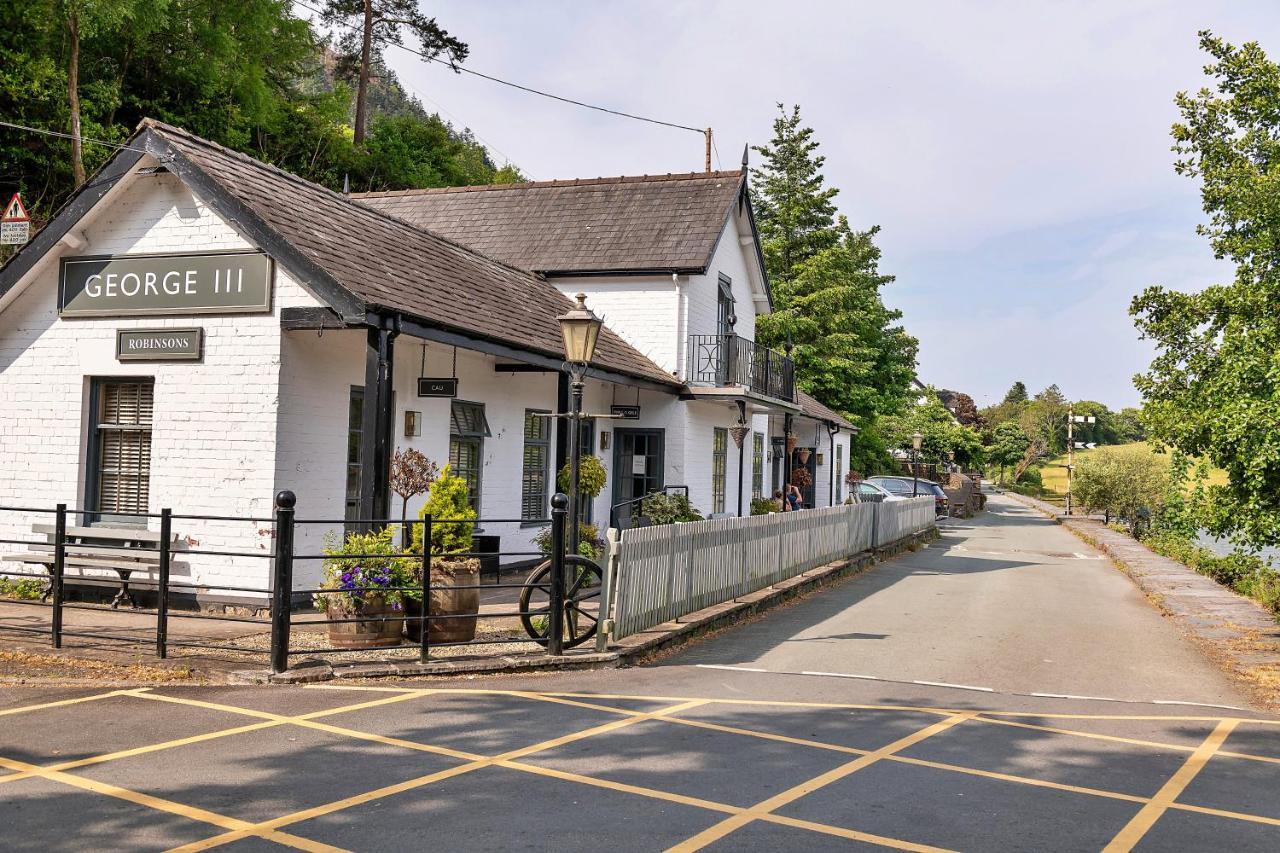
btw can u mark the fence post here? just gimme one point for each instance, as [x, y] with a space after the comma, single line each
[162, 594]
[282, 582]
[608, 583]
[59, 566]
[424, 641]
[875, 525]
[555, 630]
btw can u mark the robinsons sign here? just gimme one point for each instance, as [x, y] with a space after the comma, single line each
[159, 344]
[133, 285]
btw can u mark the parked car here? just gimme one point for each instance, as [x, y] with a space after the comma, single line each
[870, 493]
[904, 486]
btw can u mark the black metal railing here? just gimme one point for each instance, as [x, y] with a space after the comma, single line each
[729, 360]
[559, 602]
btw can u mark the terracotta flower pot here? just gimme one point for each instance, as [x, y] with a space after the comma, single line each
[457, 606]
[804, 456]
[380, 625]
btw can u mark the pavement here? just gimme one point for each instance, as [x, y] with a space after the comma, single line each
[929, 704]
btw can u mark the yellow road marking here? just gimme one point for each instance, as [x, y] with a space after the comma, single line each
[853, 834]
[728, 825]
[60, 703]
[1146, 817]
[159, 804]
[400, 787]
[140, 750]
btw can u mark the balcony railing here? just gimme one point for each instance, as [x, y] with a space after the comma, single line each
[728, 360]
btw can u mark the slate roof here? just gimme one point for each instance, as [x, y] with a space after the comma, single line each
[813, 409]
[668, 223]
[390, 264]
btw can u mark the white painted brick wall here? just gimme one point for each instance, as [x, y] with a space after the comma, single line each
[214, 433]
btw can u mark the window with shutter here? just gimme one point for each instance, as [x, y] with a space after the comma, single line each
[468, 430]
[121, 447]
[537, 459]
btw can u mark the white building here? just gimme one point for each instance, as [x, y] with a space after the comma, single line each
[197, 330]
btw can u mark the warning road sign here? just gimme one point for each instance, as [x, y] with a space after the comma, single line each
[15, 225]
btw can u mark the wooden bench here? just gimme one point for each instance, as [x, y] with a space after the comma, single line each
[124, 550]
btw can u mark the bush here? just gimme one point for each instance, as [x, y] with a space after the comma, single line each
[1129, 483]
[374, 569]
[590, 545]
[23, 589]
[447, 501]
[764, 506]
[663, 508]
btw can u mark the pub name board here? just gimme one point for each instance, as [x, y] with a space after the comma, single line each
[140, 285]
[159, 344]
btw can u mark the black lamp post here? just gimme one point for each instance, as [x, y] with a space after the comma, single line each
[580, 329]
[916, 440]
[832, 430]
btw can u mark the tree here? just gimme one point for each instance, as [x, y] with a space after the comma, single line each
[1009, 445]
[966, 411]
[1017, 393]
[941, 434]
[369, 27]
[1212, 389]
[1102, 430]
[794, 209]
[1045, 418]
[1124, 482]
[850, 351]
[1128, 425]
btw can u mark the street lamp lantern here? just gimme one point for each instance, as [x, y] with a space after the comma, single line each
[917, 439]
[580, 328]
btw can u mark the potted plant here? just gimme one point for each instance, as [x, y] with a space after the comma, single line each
[590, 545]
[412, 473]
[591, 477]
[801, 478]
[668, 508]
[791, 443]
[804, 455]
[364, 570]
[453, 523]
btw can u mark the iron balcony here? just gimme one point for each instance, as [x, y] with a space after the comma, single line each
[725, 361]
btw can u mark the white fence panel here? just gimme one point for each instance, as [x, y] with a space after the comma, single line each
[668, 571]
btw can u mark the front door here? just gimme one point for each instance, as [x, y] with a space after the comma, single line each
[637, 471]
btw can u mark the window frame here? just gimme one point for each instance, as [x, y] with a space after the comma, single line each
[719, 469]
[839, 472]
[757, 465]
[93, 513]
[355, 428]
[544, 441]
[476, 437]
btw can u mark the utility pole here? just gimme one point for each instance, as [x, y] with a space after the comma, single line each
[707, 135]
[1071, 445]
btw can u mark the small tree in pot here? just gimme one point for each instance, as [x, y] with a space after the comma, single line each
[452, 526]
[412, 474]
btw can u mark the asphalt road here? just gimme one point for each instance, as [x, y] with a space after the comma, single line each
[727, 746]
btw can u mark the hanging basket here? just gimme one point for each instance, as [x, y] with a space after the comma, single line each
[804, 456]
[791, 443]
[739, 433]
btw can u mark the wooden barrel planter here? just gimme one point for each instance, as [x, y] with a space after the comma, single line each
[380, 625]
[458, 607]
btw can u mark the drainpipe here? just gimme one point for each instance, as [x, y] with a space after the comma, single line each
[831, 461]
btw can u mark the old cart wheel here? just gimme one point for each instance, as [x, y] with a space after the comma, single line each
[581, 601]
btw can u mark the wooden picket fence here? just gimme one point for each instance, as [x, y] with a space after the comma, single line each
[665, 572]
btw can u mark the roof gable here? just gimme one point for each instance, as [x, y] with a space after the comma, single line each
[667, 223]
[352, 257]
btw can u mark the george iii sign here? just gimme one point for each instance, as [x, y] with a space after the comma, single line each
[137, 285]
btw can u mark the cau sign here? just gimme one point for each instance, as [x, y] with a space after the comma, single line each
[139, 285]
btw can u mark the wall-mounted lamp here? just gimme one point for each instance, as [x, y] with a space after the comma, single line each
[412, 424]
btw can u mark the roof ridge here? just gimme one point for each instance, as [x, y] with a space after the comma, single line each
[561, 182]
[364, 209]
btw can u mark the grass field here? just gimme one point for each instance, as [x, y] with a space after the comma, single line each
[1054, 472]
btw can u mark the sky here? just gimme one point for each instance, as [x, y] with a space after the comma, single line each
[1015, 155]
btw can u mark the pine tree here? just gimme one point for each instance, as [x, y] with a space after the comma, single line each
[1017, 393]
[794, 211]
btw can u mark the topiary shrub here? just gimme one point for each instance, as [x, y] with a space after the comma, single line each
[447, 500]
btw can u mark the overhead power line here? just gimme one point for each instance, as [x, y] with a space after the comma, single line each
[60, 135]
[528, 89]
